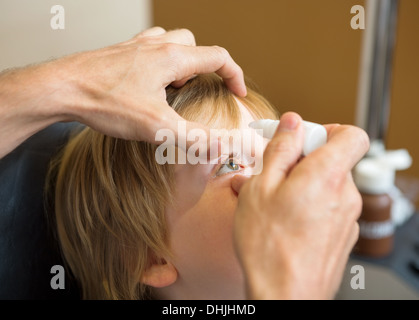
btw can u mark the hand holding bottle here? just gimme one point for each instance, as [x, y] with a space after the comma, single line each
[296, 222]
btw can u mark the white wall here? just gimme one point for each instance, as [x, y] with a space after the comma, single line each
[27, 37]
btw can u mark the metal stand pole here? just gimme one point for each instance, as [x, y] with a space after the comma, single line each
[373, 107]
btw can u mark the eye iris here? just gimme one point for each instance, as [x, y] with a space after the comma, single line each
[232, 165]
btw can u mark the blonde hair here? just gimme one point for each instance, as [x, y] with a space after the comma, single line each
[111, 195]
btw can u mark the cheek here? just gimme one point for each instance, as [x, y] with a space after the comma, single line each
[208, 224]
[202, 237]
[215, 218]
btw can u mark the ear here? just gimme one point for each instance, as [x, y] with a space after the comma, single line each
[159, 274]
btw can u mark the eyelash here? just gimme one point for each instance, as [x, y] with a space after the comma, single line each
[226, 163]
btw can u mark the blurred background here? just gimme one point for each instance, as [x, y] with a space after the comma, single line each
[304, 55]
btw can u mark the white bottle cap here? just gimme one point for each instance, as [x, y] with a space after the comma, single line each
[373, 177]
[398, 159]
[315, 135]
[377, 148]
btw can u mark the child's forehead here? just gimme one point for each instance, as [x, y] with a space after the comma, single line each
[239, 121]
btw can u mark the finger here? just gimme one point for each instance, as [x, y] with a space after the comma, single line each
[180, 83]
[154, 31]
[345, 147]
[190, 61]
[179, 36]
[284, 150]
[330, 127]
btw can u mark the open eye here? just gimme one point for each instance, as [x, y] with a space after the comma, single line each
[229, 166]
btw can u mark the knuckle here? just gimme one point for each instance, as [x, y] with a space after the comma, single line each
[222, 52]
[188, 34]
[172, 57]
[356, 230]
[352, 201]
[159, 29]
[170, 50]
[364, 140]
[357, 203]
[360, 137]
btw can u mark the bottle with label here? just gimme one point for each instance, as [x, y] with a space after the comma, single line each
[375, 181]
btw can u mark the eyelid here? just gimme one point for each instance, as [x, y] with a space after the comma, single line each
[224, 161]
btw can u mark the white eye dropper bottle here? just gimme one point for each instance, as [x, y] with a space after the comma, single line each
[315, 134]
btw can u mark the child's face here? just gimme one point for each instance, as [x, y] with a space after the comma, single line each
[200, 227]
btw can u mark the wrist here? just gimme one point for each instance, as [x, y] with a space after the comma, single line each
[33, 95]
[56, 94]
[262, 288]
[31, 99]
[283, 283]
[263, 283]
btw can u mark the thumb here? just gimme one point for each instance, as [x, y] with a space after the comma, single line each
[238, 181]
[284, 150]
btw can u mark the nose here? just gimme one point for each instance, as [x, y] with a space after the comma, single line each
[238, 181]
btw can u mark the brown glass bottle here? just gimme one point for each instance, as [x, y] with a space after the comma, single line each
[376, 235]
[376, 227]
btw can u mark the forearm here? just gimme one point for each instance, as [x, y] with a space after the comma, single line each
[31, 98]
